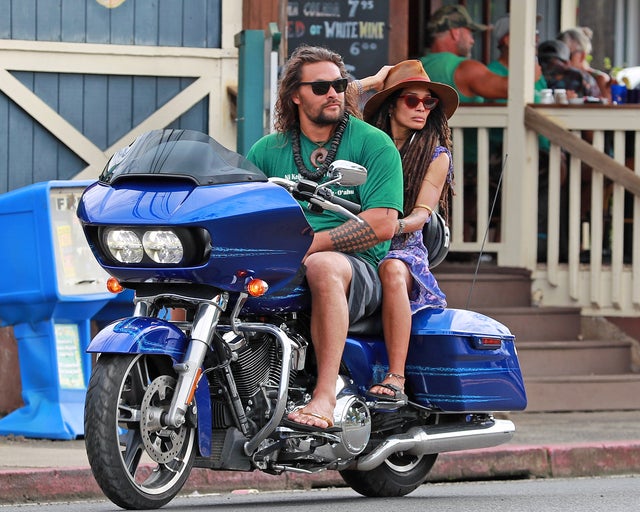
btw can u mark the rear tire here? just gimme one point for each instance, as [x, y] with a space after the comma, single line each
[398, 475]
[137, 463]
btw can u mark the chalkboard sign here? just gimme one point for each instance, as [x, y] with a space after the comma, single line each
[356, 29]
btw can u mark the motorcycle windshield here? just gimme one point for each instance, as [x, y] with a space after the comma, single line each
[180, 154]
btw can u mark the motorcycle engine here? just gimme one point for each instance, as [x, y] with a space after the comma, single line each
[256, 369]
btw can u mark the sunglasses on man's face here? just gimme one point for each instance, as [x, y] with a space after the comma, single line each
[413, 101]
[322, 86]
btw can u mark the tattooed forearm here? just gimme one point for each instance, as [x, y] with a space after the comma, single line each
[353, 236]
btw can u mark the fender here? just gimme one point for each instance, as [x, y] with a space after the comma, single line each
[144, 335]
[140, 335]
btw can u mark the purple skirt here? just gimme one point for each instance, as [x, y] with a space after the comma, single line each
[425, 292]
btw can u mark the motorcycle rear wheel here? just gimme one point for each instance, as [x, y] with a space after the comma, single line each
[398, 475]
[137, 464]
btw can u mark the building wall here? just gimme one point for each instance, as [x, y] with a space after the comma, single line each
[102, 107]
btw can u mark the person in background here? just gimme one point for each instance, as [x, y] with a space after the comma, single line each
[554, 56]
[317, 122]
[578, 40]
[500, 66]
[449, 61]
[414, 112]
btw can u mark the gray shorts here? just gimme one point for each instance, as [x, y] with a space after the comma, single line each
[365, 292]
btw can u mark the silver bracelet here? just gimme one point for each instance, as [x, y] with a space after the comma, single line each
[359, 86]
[401, 226]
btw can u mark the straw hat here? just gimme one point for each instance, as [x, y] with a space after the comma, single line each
[405, 74]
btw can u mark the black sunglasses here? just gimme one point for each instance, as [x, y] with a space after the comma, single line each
[413, 101]
[322, 86]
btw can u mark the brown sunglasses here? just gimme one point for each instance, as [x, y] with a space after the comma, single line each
[413, 101]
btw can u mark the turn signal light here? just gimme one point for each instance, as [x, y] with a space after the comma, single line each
[487, 343]
[257, 287]
[113, 285]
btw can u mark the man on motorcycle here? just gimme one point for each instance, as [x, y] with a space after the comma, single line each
[317, 122]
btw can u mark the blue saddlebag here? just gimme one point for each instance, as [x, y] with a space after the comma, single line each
[463, 361]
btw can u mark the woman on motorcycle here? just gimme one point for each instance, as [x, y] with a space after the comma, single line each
[414, 112]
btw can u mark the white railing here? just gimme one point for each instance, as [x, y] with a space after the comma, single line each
[592, 258]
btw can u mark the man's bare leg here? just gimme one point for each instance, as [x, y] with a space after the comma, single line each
[329, 276]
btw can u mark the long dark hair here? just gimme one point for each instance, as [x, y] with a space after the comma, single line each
[418, 150]
[286, 111]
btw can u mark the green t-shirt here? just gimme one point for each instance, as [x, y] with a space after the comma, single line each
[441, 67]
[499, 68]
[362, 144]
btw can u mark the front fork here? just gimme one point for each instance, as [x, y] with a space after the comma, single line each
[189, 370]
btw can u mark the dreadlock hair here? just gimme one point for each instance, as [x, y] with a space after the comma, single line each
[417, 152]
[286, 111]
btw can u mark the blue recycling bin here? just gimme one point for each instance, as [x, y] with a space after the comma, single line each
[51, 289]
[120, 306]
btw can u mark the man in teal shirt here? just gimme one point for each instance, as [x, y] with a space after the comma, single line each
[450, 30]
[448, 60]
[314, 126]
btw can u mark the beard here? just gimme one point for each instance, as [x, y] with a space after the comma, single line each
[324, 117]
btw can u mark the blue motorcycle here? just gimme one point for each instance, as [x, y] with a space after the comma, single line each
[218, 349]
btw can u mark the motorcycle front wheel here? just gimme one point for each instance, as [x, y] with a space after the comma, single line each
[138, 463]
[398, 475]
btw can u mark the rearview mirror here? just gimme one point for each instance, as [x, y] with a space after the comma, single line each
[351, 173]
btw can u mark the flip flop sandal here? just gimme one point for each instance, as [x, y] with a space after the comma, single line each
[398, 397]
[286, 422]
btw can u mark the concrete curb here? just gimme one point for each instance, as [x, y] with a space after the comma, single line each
[513, 461]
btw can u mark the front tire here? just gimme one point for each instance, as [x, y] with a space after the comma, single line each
[398, 475]
[137, 463]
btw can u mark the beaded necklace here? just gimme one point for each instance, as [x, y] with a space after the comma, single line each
[320, 156]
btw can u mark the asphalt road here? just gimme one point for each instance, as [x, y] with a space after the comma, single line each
[613, 494]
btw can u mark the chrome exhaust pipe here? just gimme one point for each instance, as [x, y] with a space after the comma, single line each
[438, 439]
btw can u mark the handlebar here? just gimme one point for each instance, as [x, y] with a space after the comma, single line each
[320, 197]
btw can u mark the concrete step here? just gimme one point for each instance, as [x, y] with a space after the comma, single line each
[578, 357]
[583, 393]
[490, 288]
[538, 323]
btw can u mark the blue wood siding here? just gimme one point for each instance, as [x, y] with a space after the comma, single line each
[103, 108]
[192, 23]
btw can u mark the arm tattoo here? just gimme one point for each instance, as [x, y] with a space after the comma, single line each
[353, 236]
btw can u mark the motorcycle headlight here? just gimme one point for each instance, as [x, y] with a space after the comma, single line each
[163, 246]
[150, 246]
[124, 245]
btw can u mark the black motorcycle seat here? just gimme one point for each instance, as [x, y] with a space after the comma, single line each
[368, 326]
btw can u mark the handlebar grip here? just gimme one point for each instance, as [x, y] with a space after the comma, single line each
[346, 204]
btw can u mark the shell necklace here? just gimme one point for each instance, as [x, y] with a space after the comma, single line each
[320, 157]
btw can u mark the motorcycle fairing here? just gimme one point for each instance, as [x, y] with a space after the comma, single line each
[448, 367]
[223, 211]
[146, 335]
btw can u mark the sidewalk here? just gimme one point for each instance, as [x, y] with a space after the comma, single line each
[545, 445]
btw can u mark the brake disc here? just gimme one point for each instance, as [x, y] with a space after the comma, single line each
[163, 444]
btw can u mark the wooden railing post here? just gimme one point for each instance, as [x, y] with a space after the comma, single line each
[520, 172]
